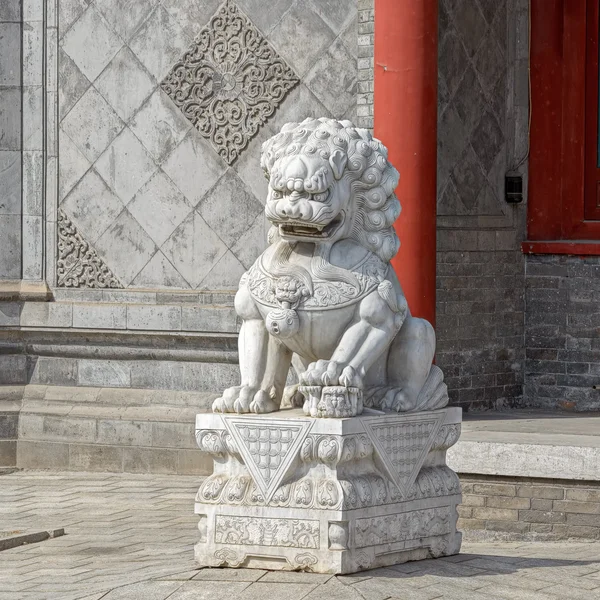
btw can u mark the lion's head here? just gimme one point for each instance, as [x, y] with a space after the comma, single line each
[329, 180]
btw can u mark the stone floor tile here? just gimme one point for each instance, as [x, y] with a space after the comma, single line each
[276, 591]
[229, 575]
[549, 574]
[381, 588]
[335, 590]
[210, 590]
[515, 580]
[454, 594]
[510, 592]
[146, 590]
[294, 577]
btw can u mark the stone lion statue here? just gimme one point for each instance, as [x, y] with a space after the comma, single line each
[323, 296]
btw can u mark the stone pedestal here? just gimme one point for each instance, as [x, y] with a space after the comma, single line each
[291, 492]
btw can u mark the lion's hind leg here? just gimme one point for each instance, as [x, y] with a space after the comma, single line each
[408, 366]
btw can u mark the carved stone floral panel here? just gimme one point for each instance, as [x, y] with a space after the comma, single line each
[78, 263]
[229, 82]
[254, 531]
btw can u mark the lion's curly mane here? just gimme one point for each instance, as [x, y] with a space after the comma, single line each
[372, 178]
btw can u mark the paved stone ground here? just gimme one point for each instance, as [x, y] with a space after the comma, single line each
[130, 537]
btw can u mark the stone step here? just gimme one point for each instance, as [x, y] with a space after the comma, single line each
[95, 429]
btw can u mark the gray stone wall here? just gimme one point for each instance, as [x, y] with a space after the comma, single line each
[562, 327]
[10, 139]
[482, 133]
[166, 180]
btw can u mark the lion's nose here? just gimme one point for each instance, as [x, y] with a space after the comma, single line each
[294, 210]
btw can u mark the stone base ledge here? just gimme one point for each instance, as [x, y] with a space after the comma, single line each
[101, 429]
[64, 398]
[113, 458]
[26, 291]
[529, 444]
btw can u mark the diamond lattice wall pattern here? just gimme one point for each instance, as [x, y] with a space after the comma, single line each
[163, 108]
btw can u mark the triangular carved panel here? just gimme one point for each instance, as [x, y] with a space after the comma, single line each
[402, 443]
[268, 448]
[78, 264]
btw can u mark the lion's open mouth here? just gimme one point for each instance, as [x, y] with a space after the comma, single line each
[299, 229]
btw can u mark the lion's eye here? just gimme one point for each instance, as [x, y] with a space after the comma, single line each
[320, 197]
[276, 195]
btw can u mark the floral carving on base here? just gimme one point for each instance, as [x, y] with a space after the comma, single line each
[78, 263]
[229, 82]
[251, 531]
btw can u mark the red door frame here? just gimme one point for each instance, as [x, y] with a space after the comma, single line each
[556, 210]
[592, 172]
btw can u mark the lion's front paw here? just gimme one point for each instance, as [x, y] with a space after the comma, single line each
[322, 372]
[245, 399]
[328, 373]
[224, 404]
[263, 402]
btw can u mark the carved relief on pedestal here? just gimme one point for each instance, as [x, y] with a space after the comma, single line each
[447, 436]
[403, 443]
[256, 531]
[267, 450]
[338, 535]
[401, 527]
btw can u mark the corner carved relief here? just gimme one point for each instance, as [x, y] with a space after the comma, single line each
[78, 263]
[229, 82]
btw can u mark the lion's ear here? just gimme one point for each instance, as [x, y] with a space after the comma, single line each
[338, 160]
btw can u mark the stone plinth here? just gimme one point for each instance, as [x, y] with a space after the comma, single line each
[292, 492]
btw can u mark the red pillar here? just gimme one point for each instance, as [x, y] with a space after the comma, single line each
[406, 122]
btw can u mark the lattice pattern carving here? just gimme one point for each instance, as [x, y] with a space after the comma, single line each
[403, 443]
[267, 451]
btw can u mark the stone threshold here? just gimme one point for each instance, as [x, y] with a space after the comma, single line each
[529, 443]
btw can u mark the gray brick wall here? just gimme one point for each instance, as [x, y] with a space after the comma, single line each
[480, 269]
[562, 327]
[530, 508]
[480, 326]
